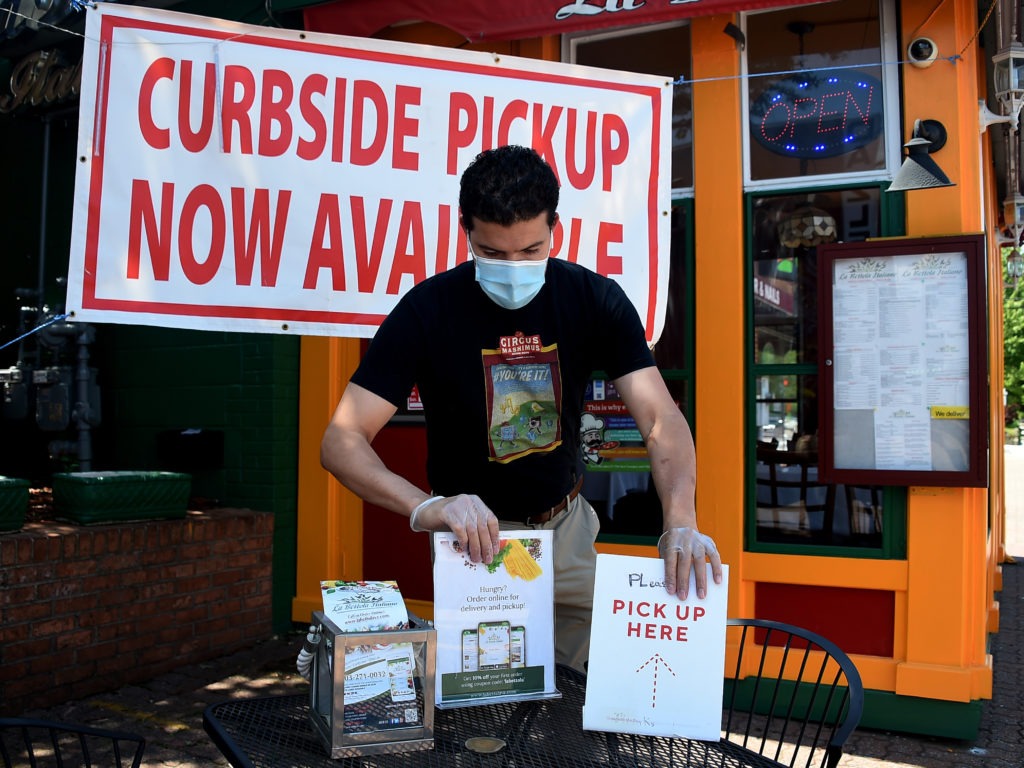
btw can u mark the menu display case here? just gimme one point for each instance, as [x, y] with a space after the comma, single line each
[903, 362]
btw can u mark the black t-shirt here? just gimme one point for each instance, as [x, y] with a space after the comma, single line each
[503, 390]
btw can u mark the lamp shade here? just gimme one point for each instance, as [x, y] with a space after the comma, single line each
[1014, 267]
[807, 227]
[919, 171]
[1013, 212]
[1008, 75]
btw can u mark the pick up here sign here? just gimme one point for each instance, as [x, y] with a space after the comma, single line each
[656, 662]
[241, 178]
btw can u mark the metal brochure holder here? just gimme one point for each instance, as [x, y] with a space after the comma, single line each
[391, 673]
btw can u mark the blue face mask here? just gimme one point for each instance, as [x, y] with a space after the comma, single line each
[510, 284]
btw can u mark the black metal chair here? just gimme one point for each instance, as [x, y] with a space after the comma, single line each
[794, 696]
[32, 743]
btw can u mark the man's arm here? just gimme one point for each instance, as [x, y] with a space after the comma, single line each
[346, 452]
[674, 469]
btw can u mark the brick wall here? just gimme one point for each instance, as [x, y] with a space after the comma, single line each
[88, 609]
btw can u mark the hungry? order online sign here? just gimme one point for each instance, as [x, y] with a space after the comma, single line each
[241, 178]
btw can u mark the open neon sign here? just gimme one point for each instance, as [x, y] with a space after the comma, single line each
[818, 114]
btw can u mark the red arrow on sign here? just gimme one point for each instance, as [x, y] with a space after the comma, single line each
[658, 662]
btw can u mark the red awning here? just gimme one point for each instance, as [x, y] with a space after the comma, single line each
[514, 19]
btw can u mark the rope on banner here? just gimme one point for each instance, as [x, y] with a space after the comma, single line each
[25, 335]
[681, 80]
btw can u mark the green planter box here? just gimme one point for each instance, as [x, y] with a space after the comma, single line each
[108, 497]
[13, 503]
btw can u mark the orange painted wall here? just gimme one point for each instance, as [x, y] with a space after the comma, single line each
[330, 518]
[720, 322]
[949, 570]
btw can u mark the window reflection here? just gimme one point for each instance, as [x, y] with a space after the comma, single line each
[660, 50]
[618, 481]
[670, 352]
[787, 230]
[792, 505]
[787, 412]
[785, 277]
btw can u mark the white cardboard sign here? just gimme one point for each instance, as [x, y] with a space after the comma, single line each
[657, 663]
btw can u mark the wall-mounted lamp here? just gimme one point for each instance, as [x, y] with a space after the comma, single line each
[1013, 215]
[1008, 80]
[1013, 218]
[919, 171]
[1014, 267]
[987, 117]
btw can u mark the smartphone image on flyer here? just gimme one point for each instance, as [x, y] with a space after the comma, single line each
[403, 688]
[517, 647]
[493, 638]
[470, 651]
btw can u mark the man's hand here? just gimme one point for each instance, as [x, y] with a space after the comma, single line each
[467, 517]
[685, 548]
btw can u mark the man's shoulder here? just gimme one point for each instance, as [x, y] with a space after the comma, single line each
[568, 270]
[566, 275]
[460, 270]
[459, 275]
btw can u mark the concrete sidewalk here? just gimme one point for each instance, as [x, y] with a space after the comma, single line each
[168, 710]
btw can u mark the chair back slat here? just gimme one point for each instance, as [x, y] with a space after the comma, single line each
[794, 696]
[26, 741]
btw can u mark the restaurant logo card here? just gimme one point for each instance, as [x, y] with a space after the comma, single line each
[364, 606]
[657, 663]
[494, 621]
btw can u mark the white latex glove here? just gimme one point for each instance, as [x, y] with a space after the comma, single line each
[472, 522]
[683, 549]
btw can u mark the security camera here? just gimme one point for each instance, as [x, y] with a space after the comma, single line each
[922, 52]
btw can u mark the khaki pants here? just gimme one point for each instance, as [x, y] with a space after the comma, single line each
[575, 558]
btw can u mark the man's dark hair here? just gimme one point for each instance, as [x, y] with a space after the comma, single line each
[507, 185]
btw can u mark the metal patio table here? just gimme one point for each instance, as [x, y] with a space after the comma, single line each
[275, 732]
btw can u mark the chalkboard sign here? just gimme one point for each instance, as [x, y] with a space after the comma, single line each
[903, 362]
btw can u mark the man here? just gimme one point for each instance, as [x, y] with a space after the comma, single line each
[495, 345]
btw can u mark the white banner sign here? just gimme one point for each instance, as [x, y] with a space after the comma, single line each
[242, 178]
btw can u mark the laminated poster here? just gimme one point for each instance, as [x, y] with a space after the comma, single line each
[494, 621]
[380, 690]
[657, 663]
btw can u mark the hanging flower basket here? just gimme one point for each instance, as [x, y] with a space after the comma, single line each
[107, 497]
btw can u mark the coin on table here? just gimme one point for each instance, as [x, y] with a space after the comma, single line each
[485, 744]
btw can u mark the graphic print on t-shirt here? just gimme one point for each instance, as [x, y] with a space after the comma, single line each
[524, 389]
